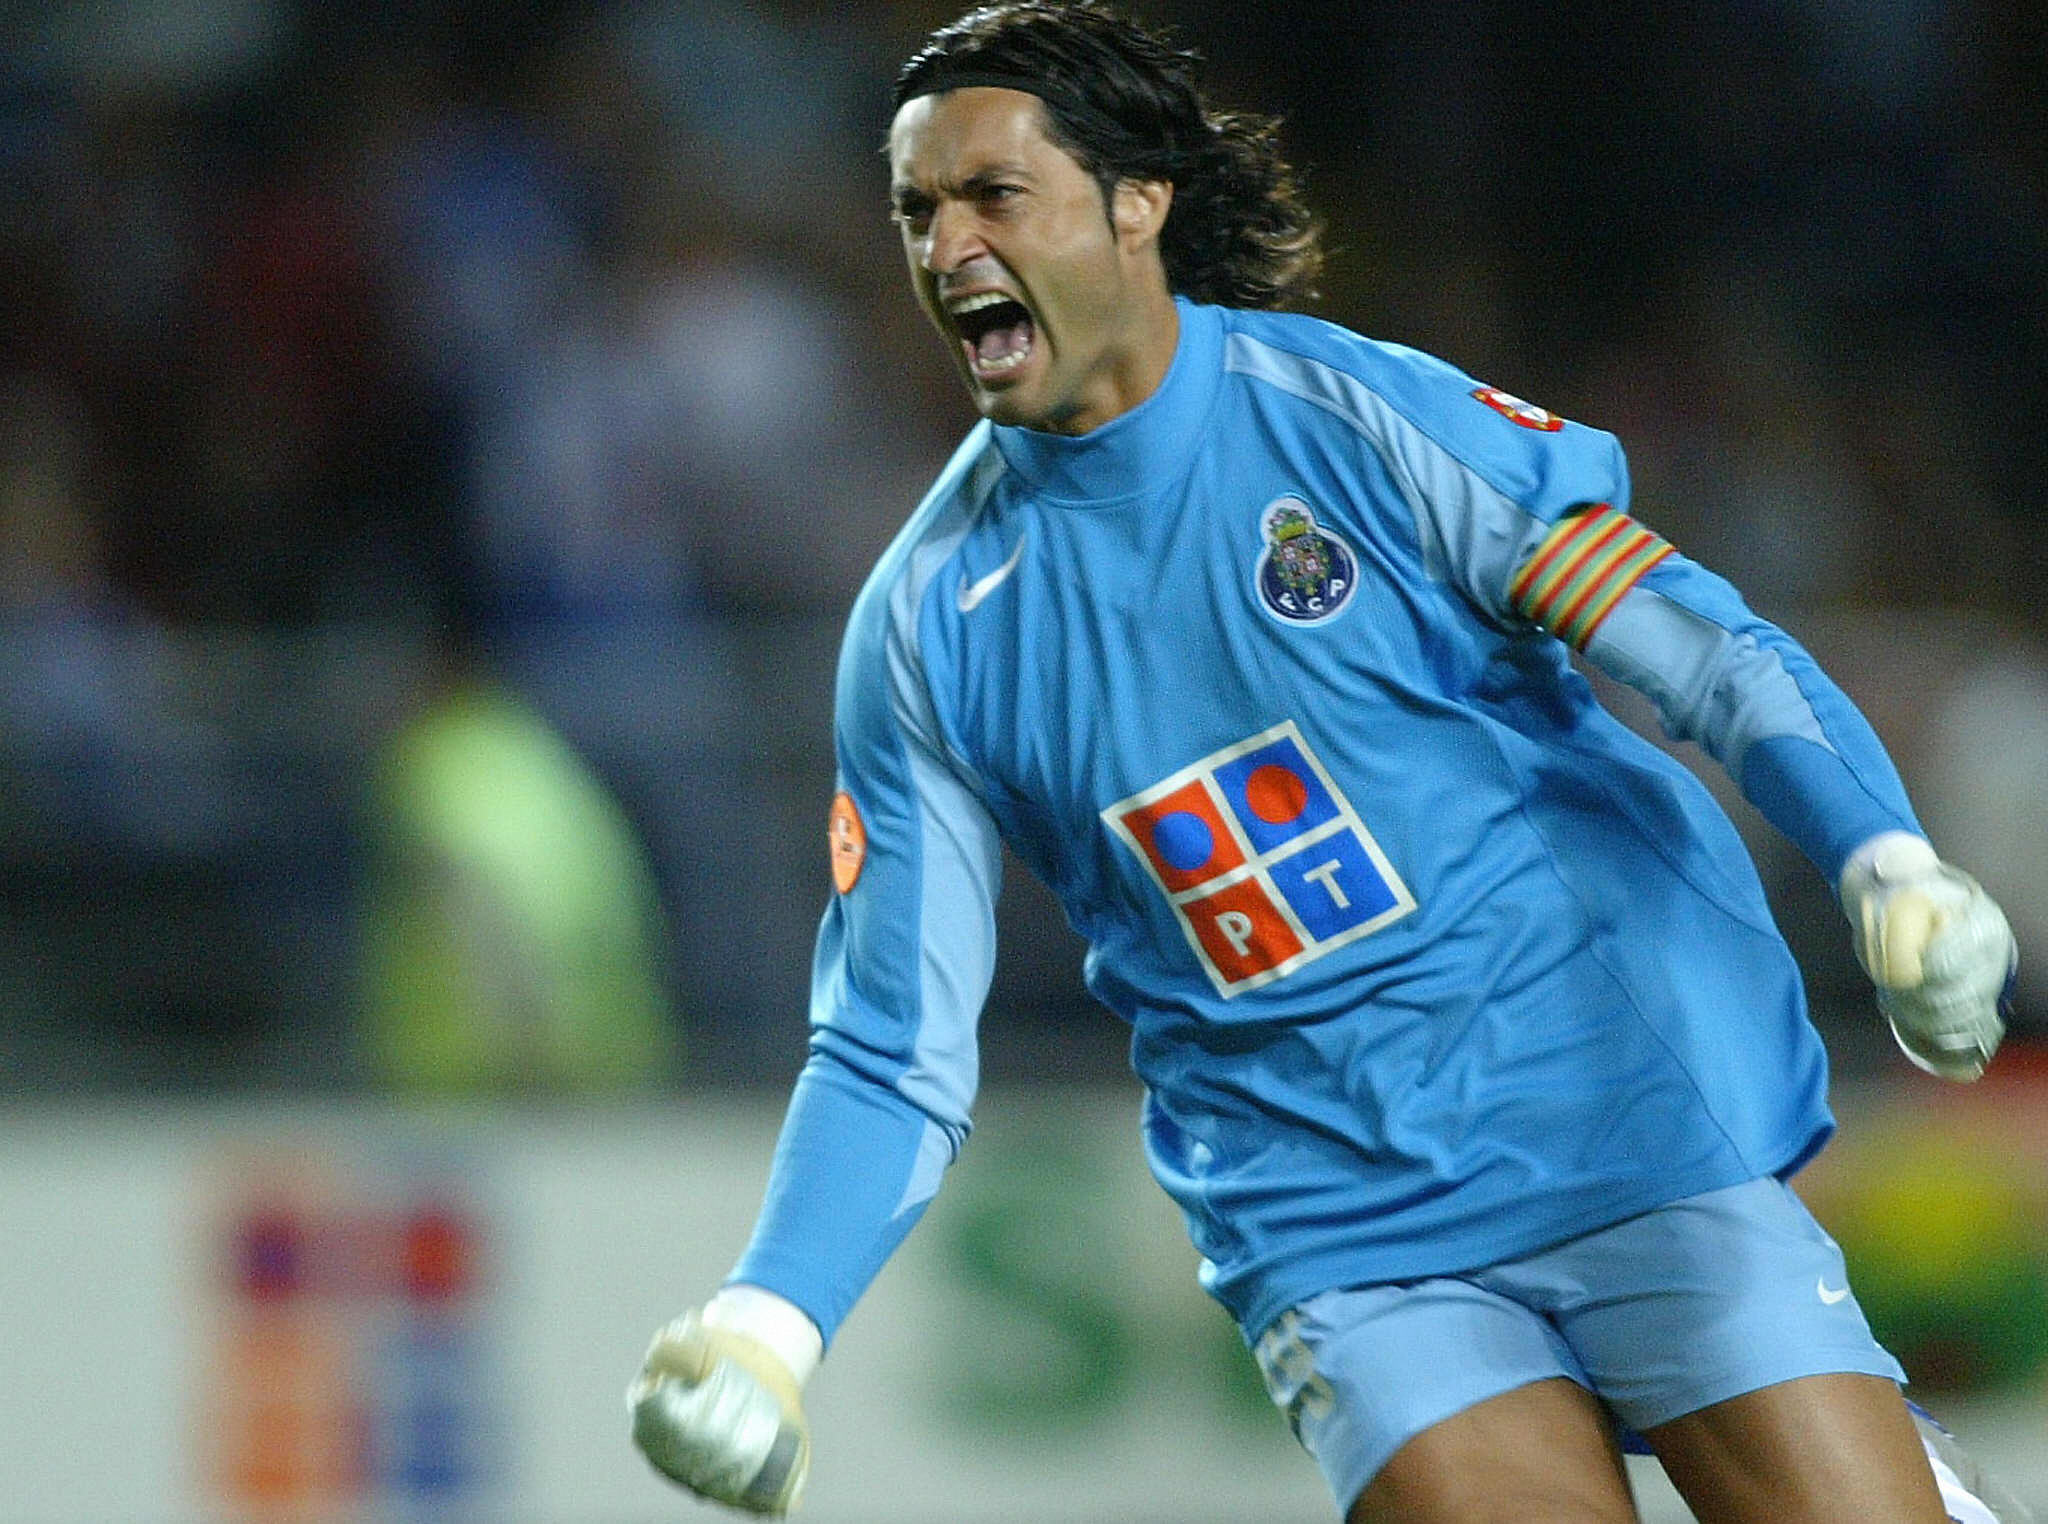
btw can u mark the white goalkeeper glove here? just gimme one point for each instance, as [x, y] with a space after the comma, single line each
[1937, 947]
[717, 1406]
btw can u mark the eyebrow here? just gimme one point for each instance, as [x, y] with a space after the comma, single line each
[904, 193]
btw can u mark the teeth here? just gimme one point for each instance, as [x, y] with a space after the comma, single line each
[1008, 362]
[975, 303]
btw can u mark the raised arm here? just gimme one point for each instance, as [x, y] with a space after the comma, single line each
[1527, 515]
[1936, 946]
[903, 963]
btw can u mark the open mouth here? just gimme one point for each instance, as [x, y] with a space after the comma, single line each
[997, 332]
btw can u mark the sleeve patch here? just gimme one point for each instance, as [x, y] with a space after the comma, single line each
[1515, 410]
[849, 841]
[1583, 568]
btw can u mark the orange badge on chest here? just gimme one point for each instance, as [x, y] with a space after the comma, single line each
[849, 841]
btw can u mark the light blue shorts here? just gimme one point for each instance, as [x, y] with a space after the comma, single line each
[1666, 1313]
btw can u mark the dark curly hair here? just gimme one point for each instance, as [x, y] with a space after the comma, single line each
[1124, 103]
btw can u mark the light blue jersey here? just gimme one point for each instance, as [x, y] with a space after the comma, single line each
[1429, 961]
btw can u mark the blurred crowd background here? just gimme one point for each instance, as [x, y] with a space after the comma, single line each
[439, 444]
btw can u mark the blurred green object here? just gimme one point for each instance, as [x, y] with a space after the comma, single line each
[1949, 1257]
[512, 928]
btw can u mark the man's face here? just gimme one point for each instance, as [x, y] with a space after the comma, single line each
[1055, 305]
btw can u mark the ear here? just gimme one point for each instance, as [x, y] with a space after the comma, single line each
[1138, 209]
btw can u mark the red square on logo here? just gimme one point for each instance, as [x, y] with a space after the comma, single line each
[1184, 836]
[1241, 930]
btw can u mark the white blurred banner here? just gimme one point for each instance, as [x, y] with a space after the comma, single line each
[360, 1313]
[353, 1314]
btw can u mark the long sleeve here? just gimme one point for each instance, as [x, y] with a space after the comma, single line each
[1527, 515]
[904, 958]
[1751, 696]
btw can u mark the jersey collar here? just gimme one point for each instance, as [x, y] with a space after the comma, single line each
[1139, 451]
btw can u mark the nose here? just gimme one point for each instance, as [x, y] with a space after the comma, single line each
[951, 240]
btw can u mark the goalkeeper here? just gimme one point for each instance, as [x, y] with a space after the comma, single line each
[1471, 1052]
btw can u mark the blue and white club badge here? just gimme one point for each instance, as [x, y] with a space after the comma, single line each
[1306, 574]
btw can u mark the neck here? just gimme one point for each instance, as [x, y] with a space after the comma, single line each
[1143, 448]
[1137, 371]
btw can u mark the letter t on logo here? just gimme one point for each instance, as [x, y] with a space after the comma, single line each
[1326, 875]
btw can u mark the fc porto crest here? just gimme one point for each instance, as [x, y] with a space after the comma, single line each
[1306, 574]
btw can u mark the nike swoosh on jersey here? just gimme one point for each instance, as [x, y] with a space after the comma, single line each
[1830, 1295]
[972, 593]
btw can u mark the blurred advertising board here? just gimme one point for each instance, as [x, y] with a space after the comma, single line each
[367, 1313]
[358, 1313]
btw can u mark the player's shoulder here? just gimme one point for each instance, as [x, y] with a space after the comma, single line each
[930, 537]
[949, 507]
[1276, 345]
[1382, 388]
[1323, 341]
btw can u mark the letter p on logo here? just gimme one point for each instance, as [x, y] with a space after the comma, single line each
[1237, 929]
[1242, 930]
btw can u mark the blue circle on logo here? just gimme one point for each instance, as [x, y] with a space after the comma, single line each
[1184, 840]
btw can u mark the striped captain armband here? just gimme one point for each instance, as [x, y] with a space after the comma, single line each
[1584, 567]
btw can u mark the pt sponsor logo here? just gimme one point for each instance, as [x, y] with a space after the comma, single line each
[1264, 861]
